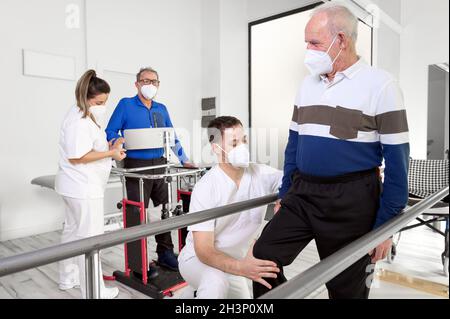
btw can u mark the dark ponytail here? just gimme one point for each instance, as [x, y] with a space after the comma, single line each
[88, 87]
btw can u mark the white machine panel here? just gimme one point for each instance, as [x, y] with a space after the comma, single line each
[140, 139]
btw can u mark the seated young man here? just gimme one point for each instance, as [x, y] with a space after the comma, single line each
[217, 257]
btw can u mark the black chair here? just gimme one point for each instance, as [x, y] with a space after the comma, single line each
[425, 178]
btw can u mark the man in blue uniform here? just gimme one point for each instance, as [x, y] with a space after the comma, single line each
[138, 112]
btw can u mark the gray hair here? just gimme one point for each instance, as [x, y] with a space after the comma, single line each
[146, 69]
[340, 19]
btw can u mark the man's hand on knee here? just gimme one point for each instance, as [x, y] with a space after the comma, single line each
[257, 269]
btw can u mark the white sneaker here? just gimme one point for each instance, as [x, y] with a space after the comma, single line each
[65, 287]
[109, 293]
[187, 293]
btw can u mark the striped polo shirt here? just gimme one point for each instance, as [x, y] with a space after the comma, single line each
[348, 125]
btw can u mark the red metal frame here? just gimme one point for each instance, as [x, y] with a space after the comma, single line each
[179, 192]
[109, 278]
[169, 291]
[142, 213]
[142, 216]
[124, 209]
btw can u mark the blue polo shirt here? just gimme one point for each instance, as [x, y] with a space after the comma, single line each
[131, 113]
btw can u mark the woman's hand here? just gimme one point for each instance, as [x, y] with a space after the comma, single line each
[118, 154]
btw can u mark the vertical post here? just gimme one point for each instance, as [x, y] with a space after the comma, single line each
[169, 182]
[169, 193]
[167, 145]
[124, 214]
[124, 186]
[141, 196]
[93, 275]
[144, 220]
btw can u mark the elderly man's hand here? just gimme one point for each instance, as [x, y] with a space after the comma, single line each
[118, 143]
[277, 206]
[381, 251]
[189, 165]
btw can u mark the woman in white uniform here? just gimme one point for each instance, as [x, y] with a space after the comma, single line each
[84, 167]
[217, 258]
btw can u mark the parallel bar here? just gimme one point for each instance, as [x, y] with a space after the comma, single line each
[139, 169]
[307, 282]
[162, 176]
[12, 264]
[92, 275]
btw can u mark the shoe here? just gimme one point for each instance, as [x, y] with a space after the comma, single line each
[168, 259]
[151, 274]
[152, 271]
[65, 287]
[109, 293]
[188, 293]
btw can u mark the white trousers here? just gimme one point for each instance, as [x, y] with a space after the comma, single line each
[212, 283]
[83, 218]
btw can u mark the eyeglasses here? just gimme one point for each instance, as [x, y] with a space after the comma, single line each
[148, 82]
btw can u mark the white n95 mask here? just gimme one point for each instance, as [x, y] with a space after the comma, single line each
[98, 111]
[149, 91]
[239, 156]
[319, 62]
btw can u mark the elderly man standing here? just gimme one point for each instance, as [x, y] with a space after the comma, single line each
[348, 117]
[142, 111]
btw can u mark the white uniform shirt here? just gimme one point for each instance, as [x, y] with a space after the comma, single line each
[78, 137]
[233, 233]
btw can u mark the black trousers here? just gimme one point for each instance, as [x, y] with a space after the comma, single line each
[333, 211]
[156, 190]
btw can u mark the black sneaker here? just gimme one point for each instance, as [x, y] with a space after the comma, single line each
[151, 274]
[168, 259]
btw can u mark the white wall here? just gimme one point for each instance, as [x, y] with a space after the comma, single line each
[122, 36]
[165, 35]
[234, 59]
[387, 38]
[31, 112]
[225, 56]
[425, 41]
[260, 9]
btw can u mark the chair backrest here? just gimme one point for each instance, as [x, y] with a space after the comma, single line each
[427, 177]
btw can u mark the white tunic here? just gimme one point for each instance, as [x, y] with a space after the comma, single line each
[233, 233]
[78, 137]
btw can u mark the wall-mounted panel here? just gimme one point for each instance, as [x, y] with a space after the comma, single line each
[48, 65]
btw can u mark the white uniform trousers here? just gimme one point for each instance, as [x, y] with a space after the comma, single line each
[83, 218]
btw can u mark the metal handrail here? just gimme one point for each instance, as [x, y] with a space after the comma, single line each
[162, 176]
[308, 281]
[12, 264]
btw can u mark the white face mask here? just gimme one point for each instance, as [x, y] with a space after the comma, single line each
[98, 111]
[319, 62]
[239, 156]
[149, 91]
